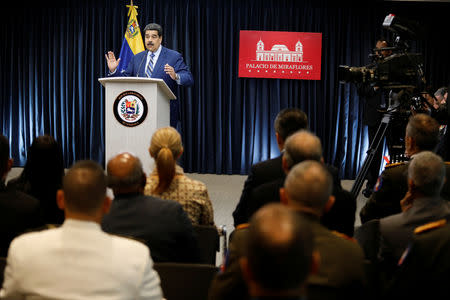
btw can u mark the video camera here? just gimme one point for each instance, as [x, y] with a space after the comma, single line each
[399, 70]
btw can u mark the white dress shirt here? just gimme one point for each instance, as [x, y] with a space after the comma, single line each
[79, 261]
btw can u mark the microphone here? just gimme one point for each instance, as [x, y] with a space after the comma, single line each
[142, 60]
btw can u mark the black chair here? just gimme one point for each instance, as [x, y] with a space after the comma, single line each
[208, 242]
[185, 281]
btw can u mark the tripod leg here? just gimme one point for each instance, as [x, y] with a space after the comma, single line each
[374, 146]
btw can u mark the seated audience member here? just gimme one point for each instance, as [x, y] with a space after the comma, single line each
[42, 176]
[162, 225]
[167, 181]
[287, 122]
[421, 135]
[19, 212]
[279, 254]
[421, 204]
[78, 260]
[307, 191]
[424, 269]
[300, 146]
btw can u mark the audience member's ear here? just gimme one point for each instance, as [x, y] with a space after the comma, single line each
[284, 165]
[245, 270]
[143, 180]
[315, 262]
[280, 141]
[60, 199]
[329, 204]
[322, 160]
[9, 165]
[106, 205]
[283, 196]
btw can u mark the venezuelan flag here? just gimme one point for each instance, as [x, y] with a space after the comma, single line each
[132, 43]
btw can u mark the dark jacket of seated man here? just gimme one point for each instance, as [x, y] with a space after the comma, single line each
[341, 216]
[162, 225]
[260, 173]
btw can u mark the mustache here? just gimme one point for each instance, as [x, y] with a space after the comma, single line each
[149, 44]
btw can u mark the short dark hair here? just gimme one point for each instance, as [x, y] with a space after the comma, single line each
[4, 154]
[279, 263]
[84, 187]
[290, 120]
[154, 26]
[424, 130]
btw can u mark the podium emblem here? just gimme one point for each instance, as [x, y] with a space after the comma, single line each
[130, 108]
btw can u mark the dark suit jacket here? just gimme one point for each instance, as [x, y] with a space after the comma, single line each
[136, 68]
[262, 172]
[19, 213]
[391, 187]
[341, 266]
[161, 224]
[341, 217]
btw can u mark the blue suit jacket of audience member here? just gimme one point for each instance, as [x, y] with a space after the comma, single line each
[162, 225]
[136, 68]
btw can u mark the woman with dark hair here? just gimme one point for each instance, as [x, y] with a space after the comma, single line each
[168, 181]
[42, 176]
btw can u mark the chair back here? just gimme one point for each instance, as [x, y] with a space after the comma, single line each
[208, 243]
[181, 281]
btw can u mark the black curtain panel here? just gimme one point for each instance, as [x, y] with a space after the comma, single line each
[53, 54]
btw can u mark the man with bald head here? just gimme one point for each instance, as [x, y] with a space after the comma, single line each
[279, 253]
[61, 263]
[162, 225]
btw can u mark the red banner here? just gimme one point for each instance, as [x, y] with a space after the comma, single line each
[280, 54]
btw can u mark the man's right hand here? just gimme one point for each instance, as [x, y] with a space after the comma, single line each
[112, 62]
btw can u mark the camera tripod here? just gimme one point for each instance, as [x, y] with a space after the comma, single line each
[396, 151]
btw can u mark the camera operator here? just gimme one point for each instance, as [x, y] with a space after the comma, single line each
[374, 103]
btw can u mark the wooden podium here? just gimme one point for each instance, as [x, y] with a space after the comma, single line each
[134, 108]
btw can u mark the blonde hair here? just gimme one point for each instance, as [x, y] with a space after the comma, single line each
[165, 148]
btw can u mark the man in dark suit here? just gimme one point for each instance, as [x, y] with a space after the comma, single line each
[156, 62]
[19, 212]
[300, 146]
[161, 224]
[307, 191]
[287, 122]
[422, 134]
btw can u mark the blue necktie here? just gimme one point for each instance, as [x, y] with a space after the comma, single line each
[149, 69]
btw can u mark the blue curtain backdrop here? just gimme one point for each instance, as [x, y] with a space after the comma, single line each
[53, 54]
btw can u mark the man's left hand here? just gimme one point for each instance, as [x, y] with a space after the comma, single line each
[170, 71]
